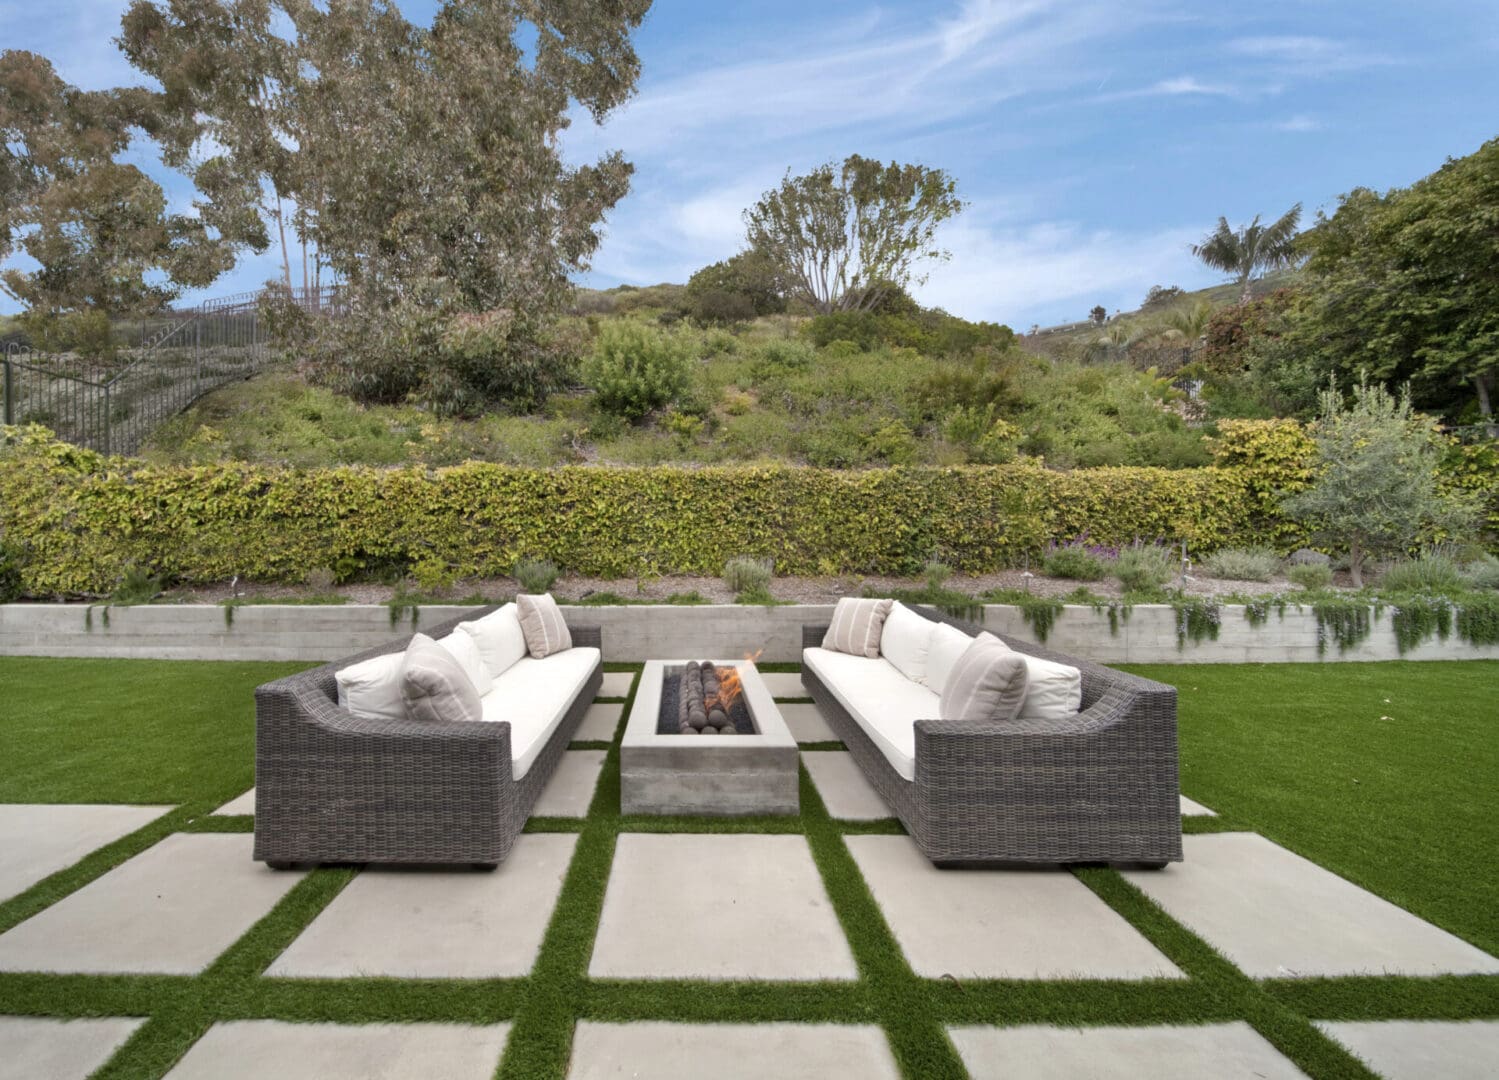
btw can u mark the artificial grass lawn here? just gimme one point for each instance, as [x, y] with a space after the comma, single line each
[1385, 773]
[544, 1006]
[128, 731]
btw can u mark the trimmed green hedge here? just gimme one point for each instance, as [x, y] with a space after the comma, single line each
[80, 519]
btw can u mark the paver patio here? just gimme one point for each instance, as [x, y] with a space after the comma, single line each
[1422, 1049]
[845, 791]
[1223, 1051]
[1277, 915]
[170, 910]
[242, 804]
[422, 923]
[39, 1048]
[732, 912]
[784, 684]
[255, 1049]
[686, 906]
[805, 722]
[570, 789]
[38, 841]
[600, 721]
[616, 684]
[1000, 924]
[731, 1051]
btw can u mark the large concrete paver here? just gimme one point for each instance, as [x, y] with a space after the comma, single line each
[240, 804]
[570, 789]
[36, 841]
[784, 684]
[845, 791]
[1233, 1051]
[663, 1051]
[420, 923]
[617, 684]
[687, 905]
[1000, 924]
[805, 722]
[170, 910]
[38, 1048]
[1422, 1049]
[1195, 809]
[599, 722]
[257, 1049]
[1278, 915]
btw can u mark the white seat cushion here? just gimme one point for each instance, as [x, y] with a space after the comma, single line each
[372, 688]
[534, 696]
[947, 644]
[499, 637]
[905, 640]
[881, 700]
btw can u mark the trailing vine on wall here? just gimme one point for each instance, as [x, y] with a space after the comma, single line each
[1198, 618]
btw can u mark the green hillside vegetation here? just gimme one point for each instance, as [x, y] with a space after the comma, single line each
[838, 391]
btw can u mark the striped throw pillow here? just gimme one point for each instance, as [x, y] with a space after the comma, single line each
[434, 685]
[856, 626]
[542, 623]
[986, 684]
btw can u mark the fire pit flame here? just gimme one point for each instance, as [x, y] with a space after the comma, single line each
[729, 688]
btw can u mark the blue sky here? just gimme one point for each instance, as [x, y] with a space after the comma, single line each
[1094, 141]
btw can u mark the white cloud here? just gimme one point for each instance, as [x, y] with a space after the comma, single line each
[1053, 272]
[1305, 54]
[1300, 123]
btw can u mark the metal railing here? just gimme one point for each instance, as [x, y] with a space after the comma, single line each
[114, 408]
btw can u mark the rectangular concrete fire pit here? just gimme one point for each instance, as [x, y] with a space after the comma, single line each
[718, 775]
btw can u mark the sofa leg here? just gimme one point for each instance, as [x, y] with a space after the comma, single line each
[486, 867]
[1151, 865]
[280, 864]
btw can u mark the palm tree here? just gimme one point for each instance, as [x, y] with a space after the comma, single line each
[1253, 249]
[1188, 323]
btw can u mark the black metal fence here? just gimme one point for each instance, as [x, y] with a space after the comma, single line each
[113, 408]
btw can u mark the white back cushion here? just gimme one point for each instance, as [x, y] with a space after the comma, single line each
[946, 645]
[1053, 691]
[463, 648]
[904, 641]
[499, 637]
[372, 688]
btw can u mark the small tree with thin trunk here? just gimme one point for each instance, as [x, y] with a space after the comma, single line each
[1249, 252]
[1376, 484]
[843, 236]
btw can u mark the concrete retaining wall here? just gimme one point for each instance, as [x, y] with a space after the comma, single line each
[201, 632]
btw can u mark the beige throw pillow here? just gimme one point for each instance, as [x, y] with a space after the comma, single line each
[987, 683]
[856, 626]
[542, 623]
[434, 685]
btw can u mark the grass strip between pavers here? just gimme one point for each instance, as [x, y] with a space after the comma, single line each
[914, 1012]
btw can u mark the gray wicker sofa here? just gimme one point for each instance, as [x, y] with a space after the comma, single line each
[1100, 787]
[331, 787]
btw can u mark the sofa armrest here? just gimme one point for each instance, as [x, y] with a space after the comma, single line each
[587, 636]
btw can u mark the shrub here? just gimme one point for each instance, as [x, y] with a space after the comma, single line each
[841, 349]
[717, 307]
[745, 575]
[1076, 560]
[136, 586]
[935, 573]
[893, 443]
[10, 572]
[1145, 568]
[634, 369]
[1481, 573]
[535, 576]
[746, 285]
[320, 580]
[781, 356]
[1310, 576]
[1431, 573]
[63, 505]
[507, 360]
[1242, 564]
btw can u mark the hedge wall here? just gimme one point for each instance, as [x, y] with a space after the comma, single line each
[79, 519]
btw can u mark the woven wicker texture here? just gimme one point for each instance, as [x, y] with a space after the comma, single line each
[1098, 787]
[331, 787]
